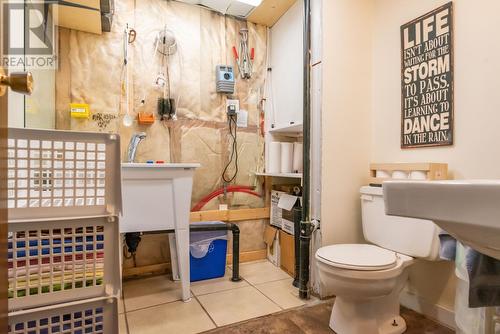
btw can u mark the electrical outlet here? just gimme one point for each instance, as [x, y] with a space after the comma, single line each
[232, 107]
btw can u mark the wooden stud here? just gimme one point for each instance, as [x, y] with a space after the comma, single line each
[249, 256]
[150, 269]
[230, 215]
[268, 187]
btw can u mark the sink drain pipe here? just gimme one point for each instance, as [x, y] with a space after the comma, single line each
[305, 224]
[235, 230]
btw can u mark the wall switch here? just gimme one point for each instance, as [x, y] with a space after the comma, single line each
[242, 120]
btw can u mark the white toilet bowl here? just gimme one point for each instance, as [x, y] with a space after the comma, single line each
[367, 279]
[366, 287]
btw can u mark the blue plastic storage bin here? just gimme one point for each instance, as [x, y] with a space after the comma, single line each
[207, 254]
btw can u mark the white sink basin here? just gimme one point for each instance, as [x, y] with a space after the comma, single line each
[469, 210]
[156, 197]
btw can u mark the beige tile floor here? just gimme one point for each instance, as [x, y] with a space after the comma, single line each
[153, 305]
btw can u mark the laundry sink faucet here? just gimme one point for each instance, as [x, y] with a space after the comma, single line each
[132, 145]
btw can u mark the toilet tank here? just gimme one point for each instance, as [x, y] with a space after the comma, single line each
[413, 237]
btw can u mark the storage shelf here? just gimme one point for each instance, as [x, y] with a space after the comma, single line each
[293, 129]
[288, 175]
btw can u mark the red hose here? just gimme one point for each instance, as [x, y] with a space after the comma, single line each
[218, 192]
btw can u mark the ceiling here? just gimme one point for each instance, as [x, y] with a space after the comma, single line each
[266, 13]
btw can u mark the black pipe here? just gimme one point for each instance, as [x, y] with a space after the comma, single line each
[236, 252]
[235, 230]
[132, 240]
[297, 217]
[305, 225]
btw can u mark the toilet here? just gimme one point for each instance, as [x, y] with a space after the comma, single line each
[368, 278]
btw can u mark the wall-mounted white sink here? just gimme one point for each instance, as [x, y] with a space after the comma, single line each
[469, 210]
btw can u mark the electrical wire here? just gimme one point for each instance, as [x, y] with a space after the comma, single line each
[234, 151]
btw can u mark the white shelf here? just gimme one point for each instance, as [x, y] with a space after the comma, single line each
[288, 175]
[293, 129]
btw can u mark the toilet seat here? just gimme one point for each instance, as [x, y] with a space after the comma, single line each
[362, 257]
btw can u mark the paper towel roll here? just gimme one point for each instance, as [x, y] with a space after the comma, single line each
[297, 158]
[274, 157]
[399, 174]
[383, 174]
[286, 157]
[418, 175]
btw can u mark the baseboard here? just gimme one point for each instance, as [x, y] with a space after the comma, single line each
[249, 256]
[160, 268]
[436, 312]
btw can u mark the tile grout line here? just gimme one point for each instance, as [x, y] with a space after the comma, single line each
[272, 281]
[126, 323]
[155, 305]
[256, 288]
[272, 301]
[122, 298]
[125, 312]
[203, 308]
[224, 290]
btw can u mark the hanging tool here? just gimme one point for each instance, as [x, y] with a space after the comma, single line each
[245, 57]
[166, 46]
[129, 36]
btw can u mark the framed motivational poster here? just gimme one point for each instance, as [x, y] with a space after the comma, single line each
[427, 79]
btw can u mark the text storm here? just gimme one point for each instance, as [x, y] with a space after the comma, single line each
[427, 79]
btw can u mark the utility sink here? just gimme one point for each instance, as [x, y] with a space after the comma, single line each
[157, 197]
[469, 210]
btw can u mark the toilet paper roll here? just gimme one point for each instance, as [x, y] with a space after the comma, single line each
[297, 158]
[399, 174]
[383, 174]
[418, 175]
[274, 157]
[286, 157]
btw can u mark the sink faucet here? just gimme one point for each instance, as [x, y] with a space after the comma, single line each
[132, 145]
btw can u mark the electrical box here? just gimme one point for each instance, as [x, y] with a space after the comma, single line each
[224, 79]
[232, 107]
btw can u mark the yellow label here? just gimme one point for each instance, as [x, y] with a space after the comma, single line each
[80, 110]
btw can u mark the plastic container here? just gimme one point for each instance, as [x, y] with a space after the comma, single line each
[96, 316]
[207, 254]
[58, 261]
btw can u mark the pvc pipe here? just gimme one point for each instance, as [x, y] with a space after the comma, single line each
[218, 192]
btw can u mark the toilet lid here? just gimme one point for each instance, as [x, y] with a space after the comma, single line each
[358, 256]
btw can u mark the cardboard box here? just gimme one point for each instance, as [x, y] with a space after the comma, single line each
[287, 249]
[286, 203]
[276, 212]
[271, 238]
[288, 220]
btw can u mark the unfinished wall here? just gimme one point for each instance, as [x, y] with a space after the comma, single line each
[91, 71]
